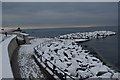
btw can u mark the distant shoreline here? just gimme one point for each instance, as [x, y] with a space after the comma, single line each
[52, 27]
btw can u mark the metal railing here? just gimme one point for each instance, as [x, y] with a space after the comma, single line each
[55, 70]
[43, 44]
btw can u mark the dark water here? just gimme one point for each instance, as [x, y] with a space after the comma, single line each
[60, 31]
[107, 47]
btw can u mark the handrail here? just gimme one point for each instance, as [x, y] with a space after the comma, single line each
[39, 55]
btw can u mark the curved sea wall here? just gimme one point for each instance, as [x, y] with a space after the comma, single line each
[12, 46]
[8, 47]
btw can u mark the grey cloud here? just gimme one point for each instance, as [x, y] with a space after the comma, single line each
[60, 0]
[0, 14]
[27, 14]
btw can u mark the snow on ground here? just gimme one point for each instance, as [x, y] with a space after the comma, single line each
[87, 35]
[80, 40]
[3, 37]
[21, 33]
[65, 54]
[75, 61]
[28, 67]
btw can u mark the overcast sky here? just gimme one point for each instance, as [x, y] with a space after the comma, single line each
[60, 0]
[0, 14]
[41, 14]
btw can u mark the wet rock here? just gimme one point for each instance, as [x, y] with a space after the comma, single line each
[52, 58]
[65, 54]
[100, 73]
[56, 50]
[69, 64]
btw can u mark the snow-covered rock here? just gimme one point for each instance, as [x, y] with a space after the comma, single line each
[71, 58]
[75, 61]
[87, 35]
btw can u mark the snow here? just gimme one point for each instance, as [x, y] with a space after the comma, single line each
[80, 40]
[0, 61]
[28, 66]
[24, 34]
[74, 60]
[6, 67]
[21, 33]
[3, 37]
[66, 55]
[87, 35]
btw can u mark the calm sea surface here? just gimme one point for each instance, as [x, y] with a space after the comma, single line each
[107, 47]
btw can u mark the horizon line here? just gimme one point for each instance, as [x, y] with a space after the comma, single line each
[82, 26]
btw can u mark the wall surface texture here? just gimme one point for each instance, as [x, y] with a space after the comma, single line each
[12, 46]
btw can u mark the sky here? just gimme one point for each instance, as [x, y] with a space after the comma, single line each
[59, 0]
[0, 14]
[59, 14]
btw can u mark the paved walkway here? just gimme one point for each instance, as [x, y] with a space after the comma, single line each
[24, 65]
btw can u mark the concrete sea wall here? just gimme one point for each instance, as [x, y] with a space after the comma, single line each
[8, 47]
[12, 46]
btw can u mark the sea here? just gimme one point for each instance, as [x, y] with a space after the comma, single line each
[106, 47]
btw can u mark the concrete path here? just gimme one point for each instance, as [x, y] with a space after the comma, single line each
[39, 69]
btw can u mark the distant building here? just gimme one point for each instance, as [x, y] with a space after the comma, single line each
[18, 29]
